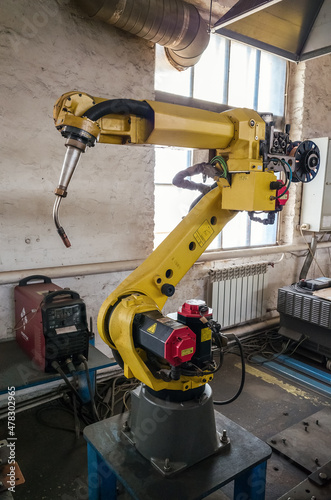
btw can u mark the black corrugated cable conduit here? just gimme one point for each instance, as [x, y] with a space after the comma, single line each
[175, 24]
[120, 107]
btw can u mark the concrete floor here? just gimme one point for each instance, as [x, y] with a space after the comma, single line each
[54, 462]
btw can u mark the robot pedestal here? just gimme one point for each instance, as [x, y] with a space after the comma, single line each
[174, 435]
[112, 460]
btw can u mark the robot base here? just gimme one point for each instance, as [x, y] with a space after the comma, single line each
[173, 435]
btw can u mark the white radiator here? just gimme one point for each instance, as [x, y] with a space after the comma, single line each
[238, 294]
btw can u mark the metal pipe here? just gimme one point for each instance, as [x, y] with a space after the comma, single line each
[9, 277]
[174, 24]
[309, 258]
[244, 330]
[252, 252]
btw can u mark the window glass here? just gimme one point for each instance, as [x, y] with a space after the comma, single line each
[171, 206]
[263, 234]
[272, 84]
[210, 75]
[236, 232]
[171, 203]
[169, 161]
[242, 75]
[167, 78]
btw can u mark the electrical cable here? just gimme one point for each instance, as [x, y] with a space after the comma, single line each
[125, 406]
[58, 368]
[272, 358]
[220, 160]
[263, 344]
[89, 385]
[71, 368]
[77, 425]
[282, 161]
[243, 375]
[41, 420]
[107, 394]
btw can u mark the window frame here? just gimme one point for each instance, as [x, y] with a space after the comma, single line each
[191, 101]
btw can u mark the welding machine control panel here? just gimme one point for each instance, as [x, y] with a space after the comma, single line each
[66, 316]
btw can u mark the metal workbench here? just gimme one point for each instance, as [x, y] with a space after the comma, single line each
[112, 458]
[18, 370]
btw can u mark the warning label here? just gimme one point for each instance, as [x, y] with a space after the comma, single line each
[205, 334]
[152, 328]
[203, 234]
[186, 352]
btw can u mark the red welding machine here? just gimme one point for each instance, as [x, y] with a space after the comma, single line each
[51, 323]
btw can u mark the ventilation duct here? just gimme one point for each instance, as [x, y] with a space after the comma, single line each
[174, 24]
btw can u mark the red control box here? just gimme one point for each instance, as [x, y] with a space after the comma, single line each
[50, 322]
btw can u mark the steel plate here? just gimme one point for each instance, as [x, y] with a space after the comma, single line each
[312, 488]
[307, 443]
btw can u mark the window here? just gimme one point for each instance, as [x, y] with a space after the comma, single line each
[217, 78]
[171, 203]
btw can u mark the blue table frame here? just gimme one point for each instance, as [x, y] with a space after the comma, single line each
[112, 459]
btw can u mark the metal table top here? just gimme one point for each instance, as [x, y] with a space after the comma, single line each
[143, 482]
[18, 370]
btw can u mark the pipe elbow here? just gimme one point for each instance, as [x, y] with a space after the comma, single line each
[183, 58]
[174, 24]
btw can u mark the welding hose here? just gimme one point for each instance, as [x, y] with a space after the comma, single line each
[72, 369]
[94, 409]
[199, 168]
[119, 107]
[243, 373]
[58, 368]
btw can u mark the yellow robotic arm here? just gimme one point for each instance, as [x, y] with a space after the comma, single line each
[157, 350]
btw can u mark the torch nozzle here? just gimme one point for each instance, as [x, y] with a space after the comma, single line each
[56, 219]
[64, 237]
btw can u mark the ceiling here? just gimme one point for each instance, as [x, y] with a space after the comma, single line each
[294, 29]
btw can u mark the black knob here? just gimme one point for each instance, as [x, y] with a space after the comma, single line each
[276, 185]
[168, 289]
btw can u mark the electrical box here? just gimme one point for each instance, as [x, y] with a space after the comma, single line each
[51, 323]
[316, 195]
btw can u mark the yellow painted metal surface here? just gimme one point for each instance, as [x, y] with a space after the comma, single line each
[166, 265]
[120, 326]
[250, 192]
[243, 153]
[110, 129]
[236, 135]
[187, 127]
